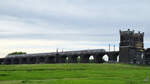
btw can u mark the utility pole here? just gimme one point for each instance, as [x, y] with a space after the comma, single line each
[114, 48]
[57, 50]
[109, 47]
[62, 50]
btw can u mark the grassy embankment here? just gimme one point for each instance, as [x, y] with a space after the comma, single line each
[74, 74]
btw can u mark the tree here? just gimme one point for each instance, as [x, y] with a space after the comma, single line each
[17, 53]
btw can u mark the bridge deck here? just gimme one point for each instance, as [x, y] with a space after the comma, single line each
[92, 51]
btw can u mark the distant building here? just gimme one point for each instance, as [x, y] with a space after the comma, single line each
[146, 59]
[131, 47]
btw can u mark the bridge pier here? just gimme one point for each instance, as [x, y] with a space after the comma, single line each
[50, 59]
[1, 60]
[23, 60]
[60, 58]
[113, 56]
[84, 58]
[15, 60]
[73, 59]
[98, 58]
[41, 59]
[31, 60]
[63, 59]
[57, 58]
[7, 61]
[20, 60]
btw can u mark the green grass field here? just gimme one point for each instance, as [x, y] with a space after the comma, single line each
[74, 74]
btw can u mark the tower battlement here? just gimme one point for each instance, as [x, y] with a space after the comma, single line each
[131, 32]
[132, 39]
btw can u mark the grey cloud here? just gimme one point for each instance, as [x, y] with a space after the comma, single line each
[94, 20]
[67, 37]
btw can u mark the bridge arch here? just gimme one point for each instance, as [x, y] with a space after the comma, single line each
[31, 60]
[73, 59]
[8, 61]
[118, 58]
[113, 56]
[63, 59]
[15, 60]
[50, 59]
[24, 60]
[91, 59]
[41, 59]
[84, 58]
[105, 58]
[98, 58]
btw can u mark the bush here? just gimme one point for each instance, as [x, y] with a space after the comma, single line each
[17, 53]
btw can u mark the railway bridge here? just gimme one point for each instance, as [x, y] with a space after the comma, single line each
[81, 56]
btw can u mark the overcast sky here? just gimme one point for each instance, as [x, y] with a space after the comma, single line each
[36, 26]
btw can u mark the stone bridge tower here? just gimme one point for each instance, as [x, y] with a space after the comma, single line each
[131, 47]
